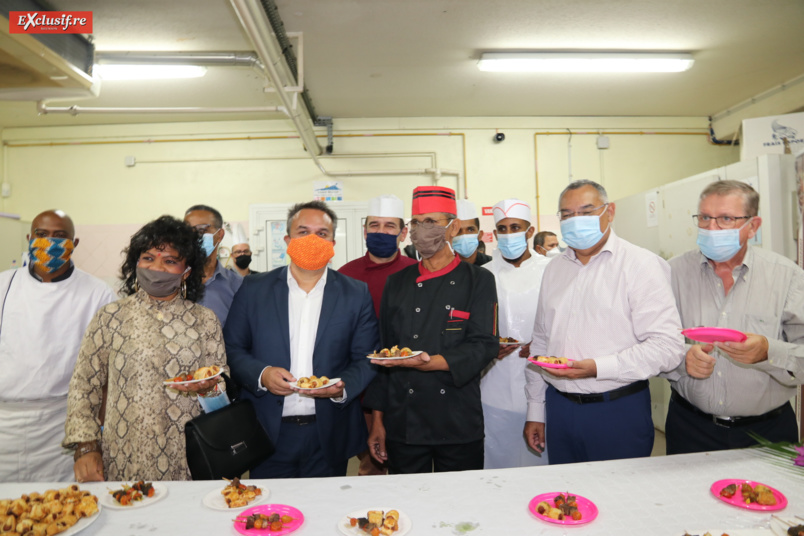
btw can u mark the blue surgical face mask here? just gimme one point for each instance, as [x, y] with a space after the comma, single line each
[512, 245]
[208, 243]
[720, 245]
[582, 232]
[465, 244]
[382, 245]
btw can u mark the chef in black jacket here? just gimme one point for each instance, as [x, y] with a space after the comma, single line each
[426, 409]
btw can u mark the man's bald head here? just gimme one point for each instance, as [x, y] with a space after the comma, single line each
[53, 224]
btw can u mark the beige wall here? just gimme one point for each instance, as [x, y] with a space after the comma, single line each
[227, 165]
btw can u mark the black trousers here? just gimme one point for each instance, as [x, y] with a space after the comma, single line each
[407, 459]
[689, 432]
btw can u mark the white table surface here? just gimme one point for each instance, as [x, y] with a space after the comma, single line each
[647, 496]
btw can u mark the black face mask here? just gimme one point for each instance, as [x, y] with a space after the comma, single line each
[243, 261]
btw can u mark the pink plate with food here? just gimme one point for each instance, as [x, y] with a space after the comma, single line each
[739, 500]
[586, 508]
[297, 519]
[710, 335]
[549, 362]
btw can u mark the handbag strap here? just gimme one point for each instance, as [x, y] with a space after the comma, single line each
[232, 389]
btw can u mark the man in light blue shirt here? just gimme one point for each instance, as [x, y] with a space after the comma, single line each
[220, 284]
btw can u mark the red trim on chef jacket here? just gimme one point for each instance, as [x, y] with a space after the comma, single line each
[427, 274]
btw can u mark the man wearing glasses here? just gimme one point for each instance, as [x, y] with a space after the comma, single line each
[220, 284]
[723, 391]
[426, 408]
[608, 306]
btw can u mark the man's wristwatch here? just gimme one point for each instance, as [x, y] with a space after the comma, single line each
[86, 448]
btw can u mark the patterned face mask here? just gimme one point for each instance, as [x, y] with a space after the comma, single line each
[50, 254]
[311, 252]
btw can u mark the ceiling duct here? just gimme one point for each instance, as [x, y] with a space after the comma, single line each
[43, 66]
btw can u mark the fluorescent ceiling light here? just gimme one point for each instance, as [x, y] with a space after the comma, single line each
[584, 62]
[147, 72]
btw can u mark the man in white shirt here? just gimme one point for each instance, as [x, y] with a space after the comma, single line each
[45, 310]
[726, 390]
[607, 305]
[297, 321]
[518, 274]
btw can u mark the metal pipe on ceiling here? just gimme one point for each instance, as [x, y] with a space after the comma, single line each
[228, 59]
[258, 29]
[44, 109]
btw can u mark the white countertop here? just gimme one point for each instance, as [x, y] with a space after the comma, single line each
[649, 496]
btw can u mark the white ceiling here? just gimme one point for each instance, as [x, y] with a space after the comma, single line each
[417, 58]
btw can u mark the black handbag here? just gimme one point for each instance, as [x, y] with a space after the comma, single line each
[227, 442]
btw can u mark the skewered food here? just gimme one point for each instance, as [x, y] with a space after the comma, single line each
[552, 360]
[238, 495]
[759, 494]
[377, 522]
[261, 521]
[394, 351]
[564, 506]
[312, 382]
[46, 514]
[127, 495]
[200, 374]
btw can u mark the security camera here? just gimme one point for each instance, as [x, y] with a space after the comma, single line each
[498, 137]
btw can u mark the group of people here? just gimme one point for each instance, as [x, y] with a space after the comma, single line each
[89, 403]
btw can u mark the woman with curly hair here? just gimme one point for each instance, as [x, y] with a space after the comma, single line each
[131, 346]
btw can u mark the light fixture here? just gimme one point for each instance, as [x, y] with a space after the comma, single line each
[585, 62]
[125, 71]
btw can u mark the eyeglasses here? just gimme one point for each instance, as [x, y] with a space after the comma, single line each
[201, 228]
[427, 223]
[566, 214]
[723, 222]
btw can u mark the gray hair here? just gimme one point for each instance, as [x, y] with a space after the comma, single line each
[580, 184]
[750, 196]
[317, 205]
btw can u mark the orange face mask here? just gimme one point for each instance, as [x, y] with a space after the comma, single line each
[310, 252]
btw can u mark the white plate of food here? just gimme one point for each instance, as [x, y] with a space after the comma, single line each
[510, 341]
[393, 353]
[200, 375]
[314, 383]
[81, 501]
[236, 496]
[108, 500]
[381, 517]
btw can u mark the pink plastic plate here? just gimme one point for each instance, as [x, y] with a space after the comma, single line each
[547, 365]
[268, 509]
[738, 501]
[710, 335]
[586, 507]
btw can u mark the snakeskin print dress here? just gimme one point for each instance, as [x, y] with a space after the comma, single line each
[133, 345]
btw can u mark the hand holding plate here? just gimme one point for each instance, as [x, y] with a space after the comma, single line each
[583, 368]
[753, 350]
[698, 361]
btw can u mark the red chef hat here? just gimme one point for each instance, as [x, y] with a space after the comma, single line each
[428, 199]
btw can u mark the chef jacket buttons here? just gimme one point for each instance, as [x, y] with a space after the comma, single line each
[452, 282]
[415, 336]
[443, 391]
[420, 285]
[418, 310]
[448, 307]
[410, 391]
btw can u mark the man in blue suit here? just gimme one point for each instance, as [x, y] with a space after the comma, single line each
[297, 321]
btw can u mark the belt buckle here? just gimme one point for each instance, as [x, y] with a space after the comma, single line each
[727, 422]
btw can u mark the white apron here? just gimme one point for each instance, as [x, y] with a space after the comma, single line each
[502, 385]
[31, 432]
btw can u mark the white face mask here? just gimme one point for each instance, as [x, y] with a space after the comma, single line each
[555, 252]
